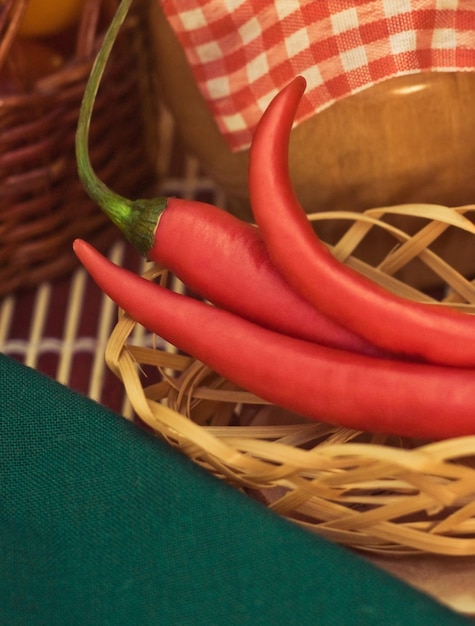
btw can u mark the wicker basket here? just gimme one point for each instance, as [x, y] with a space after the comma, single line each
[43, 206]
[372, 492]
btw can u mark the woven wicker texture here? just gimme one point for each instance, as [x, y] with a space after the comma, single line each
[43, 206]
[372, 492]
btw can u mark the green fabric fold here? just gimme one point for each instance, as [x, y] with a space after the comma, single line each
[102, 523]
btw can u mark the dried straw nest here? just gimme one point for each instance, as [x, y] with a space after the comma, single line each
[372, 492]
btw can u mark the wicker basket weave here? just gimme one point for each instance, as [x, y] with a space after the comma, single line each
[372, 492]
[43, 206]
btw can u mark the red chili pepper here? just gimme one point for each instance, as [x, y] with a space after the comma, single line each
[224, 260]
[220, 257]
[432, 333]
[356, 391]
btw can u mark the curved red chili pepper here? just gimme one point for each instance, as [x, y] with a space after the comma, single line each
[434, 334]
[216, 255]
[356, 391]
[224, 260]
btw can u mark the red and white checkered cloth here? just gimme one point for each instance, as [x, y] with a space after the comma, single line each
[243, 51]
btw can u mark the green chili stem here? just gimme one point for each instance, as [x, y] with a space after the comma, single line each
[137, 219]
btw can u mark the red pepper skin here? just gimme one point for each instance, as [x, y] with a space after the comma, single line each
[224, 260]
[430, 333]
[213, 253]
[357, 391]
[220, 258]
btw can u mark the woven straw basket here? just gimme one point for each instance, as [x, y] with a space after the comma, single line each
[371, 492]
[43, 206]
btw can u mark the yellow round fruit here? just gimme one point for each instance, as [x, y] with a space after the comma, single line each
[49, 17]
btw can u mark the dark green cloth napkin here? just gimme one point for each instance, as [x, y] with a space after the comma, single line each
[103, 524]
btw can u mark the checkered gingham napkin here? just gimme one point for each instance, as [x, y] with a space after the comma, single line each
[243, 51]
